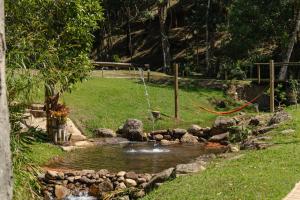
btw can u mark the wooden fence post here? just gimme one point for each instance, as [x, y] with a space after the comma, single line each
[176, 87]
[258, 74]
[272, 88]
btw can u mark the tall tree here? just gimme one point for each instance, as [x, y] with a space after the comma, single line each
[162, 15]
[5, 155]
[290, 47]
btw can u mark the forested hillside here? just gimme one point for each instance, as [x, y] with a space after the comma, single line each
[206, 35]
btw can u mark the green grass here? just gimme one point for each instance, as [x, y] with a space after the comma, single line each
[265, 174]
[108, 103]
[25, 183]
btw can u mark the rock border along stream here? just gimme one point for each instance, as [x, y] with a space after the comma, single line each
[129, 185]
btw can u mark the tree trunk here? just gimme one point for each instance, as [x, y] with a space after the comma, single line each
[5, 154]
[129, 39]
[163, 13]
[207, 55]
[293, 39]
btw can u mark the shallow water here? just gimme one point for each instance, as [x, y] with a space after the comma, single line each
[137, 157]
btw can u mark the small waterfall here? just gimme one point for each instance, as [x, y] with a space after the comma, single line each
[147, 97]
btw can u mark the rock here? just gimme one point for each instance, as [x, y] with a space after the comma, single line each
[206, 132]
[189, 168]
[196, 130]
[51, 175]
[87, 171]
[253, 144]
[121, 173]
[160, 177]
[102, 172]
[47, 195]
[131, 175]
[288, 131]
[220, 137]
[141, 180]
[133, 130]
[77, 138]
[94, 190]
[156, 114]
[221, 125]
[265, 129]
[106, 186]
[75, 133]
[104, 132]
[121, 186]
[138, 194]
[130, 182]
[178, 132]
[86, 180]
[161, 132]
[60, 176]
[71, 179]
[189, 138]
[234, 148]
[279, 117]
[168, 142]
[165, 142]
[167, 137]
[126, 197]
[158, 137]
[121, 179]
[61, 192]
[146, 176]
[254, 121]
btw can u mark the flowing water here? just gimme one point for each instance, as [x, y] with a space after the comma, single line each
[147, 97]
[138, 157]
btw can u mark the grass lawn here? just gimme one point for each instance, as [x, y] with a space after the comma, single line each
[265, 174]
[101, 102]
[24, 181]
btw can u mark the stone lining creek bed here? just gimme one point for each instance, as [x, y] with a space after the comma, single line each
[129, 167]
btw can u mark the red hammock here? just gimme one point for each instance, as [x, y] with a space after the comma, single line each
[234, 110]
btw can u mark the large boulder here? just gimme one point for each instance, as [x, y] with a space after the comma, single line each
[133, 130]
[196, 130]
[160, 178]
[222, 124]
[189, 168]
[104, 132]
[179, 132]
[189, 138]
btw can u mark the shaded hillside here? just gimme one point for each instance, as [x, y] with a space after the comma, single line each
[146, 39]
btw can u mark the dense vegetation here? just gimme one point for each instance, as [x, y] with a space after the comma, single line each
[207, 35]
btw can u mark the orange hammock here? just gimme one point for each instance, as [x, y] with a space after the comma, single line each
[234, 110]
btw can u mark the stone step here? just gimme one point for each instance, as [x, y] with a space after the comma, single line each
[38, 113]
[37, 106]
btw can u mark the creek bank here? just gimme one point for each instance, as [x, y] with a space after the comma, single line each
[59, 184]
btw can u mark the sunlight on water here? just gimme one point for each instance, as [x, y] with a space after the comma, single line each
[156, 150]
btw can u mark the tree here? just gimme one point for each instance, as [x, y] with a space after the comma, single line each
[162, 15]
[260, 33]
[290, 47]
[55, 38]
[5, 155]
